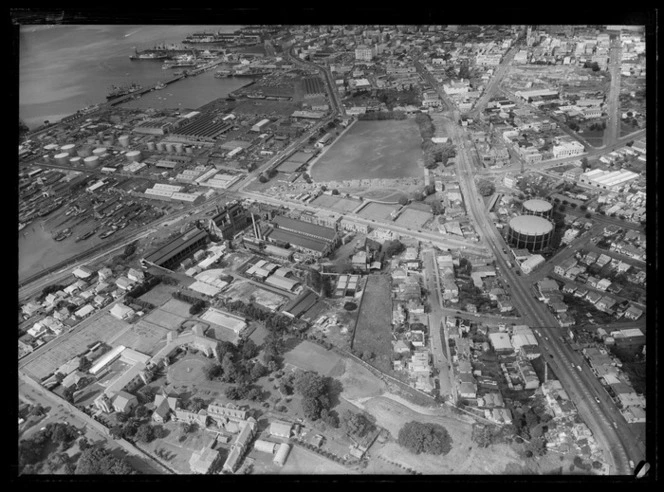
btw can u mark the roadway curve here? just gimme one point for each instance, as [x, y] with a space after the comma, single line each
[578, 383]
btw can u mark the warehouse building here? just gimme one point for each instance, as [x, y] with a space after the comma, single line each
[309, 238]
[612, 181]
[205, 128]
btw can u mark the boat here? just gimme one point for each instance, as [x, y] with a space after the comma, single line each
[160, 86]
[83, 237]
[64, 234]
[148, 55]
[222, 73]
[104, 235]
[119, 91]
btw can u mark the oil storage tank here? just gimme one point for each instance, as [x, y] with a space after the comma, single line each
[134, 155]
[151, 146]
[62, 158]
[69, 148]
[538, 207]
[530, 232]
[124, 140]
[91, 161]
[75, 161]
[161, 147]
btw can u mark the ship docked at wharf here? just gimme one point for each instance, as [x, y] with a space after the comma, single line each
[119, 91]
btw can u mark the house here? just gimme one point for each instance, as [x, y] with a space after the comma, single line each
[401, 347]
[565, 320]
[135, 275]
[565, 265]
[467, 390]
[605, 303]
[164, 405]
[593, 297]
[104, 273]
[82, 272]
[501, 342]
[633, 313]
[281, 429]
[603, 284]
[124, 283]
[558, 307]
[124, 402]
[122, 312]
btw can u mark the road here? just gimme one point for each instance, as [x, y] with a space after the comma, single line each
[612, 131]
[421, 69]
[580, 385]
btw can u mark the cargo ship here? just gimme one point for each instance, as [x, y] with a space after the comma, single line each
[117, 91]
[104, 235]
[160, 86]
[149, 55]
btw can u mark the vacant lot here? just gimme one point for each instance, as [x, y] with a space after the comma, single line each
[373, 329]
[243, 291]
[413, 219]
[336, 203]
[464, 458]
[304, 462]
[312, 357]
[373, 149]
[159, 295]
[377, 211]
[264, 107]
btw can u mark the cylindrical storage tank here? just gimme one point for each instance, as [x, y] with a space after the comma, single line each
[170, 148]
[151, 146]
[103, 157]
[189, 149]
[47, 158]
[100, 135]
[62, 158]
[134, 155]
[84, 151]
[69, 148]
[51, 147]
[124, 140]
[282, 454]
[530, 232]
[179, 147]
[92, 161]
[161, 147]
[99, 151]
[75, 161]
[540, 208]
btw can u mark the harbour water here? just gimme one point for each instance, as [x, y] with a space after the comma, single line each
[64, 68]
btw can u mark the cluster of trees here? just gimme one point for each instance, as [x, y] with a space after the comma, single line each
[315, 391]
[96, 460]
[144, 287]
[49, 289]
[424, 123]
[273, 321]
[437, 207]
[573, 125]
[594, 66]
[235, 365]
[382, 115]
[391, 98]
[419, 438]
[197, 307]
[486, 187]
[144, 305]
[392, 248]
[597, 126]
[357, 425]
[136, 426]
[33, 451]
[435, 153]
[193, 300]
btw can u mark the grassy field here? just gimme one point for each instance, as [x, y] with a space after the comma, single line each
[373, 149]
[312, 357]
[373, 329]
[159, 295]
[377, 211]
[165, 318]
[143, 337]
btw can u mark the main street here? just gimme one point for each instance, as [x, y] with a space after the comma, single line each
[579, 384]
[612, 131]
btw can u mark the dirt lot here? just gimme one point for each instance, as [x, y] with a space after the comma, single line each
[373, 149]
[159, 295]
[312, 357]
[143, 337]
[243, 290]
[413, 219]
[304, 462]
[377, 211]
[336, 203]
[373, 329]
[357, 381]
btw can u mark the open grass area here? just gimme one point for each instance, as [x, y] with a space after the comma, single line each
[143, 337]
[377, 211]
[373, 329]
[159, 295]
[166, 319]
[312, 357]
[373, 149]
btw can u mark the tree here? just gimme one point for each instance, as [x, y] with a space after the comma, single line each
[248, 348]
[311, 407]
[392, 247]
[232, 393]
[229, 371]
[84, 364]
[486, 188]
[403, 200]
[224, 348]
[141, 411]
[258, 370]
[68, 394]
[330, 418]
[309, 384]
[144, 433]
[356, 424]
[262, 179]
[425, 438]
[213, 371]
[437, 207]
[196, 405]
[335, 191]
[116, 432]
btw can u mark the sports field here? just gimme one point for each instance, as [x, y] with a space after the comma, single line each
[143, 337]
[336, 203]
[413, 218]
[373, 149]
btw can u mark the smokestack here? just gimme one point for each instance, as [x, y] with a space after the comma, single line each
[546, 370]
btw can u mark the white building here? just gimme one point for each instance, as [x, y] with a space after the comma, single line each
[567, 149]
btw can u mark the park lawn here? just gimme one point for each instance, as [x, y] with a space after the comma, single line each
[373, 329]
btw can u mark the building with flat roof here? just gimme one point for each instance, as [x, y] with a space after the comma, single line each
[226, 320]
[300, 304]
[608, 180]
[501, 342]
[204, 461]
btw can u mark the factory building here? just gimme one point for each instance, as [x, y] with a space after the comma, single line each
[205, 128]
[231, 219]
[530, 232]
[309, 238]
[606, 180]
[539, 208]
[160, 126]
[171, 253]
[313, 87]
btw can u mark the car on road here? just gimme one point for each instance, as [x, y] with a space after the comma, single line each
[551, 355]
[597, 400]
[579, 368]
